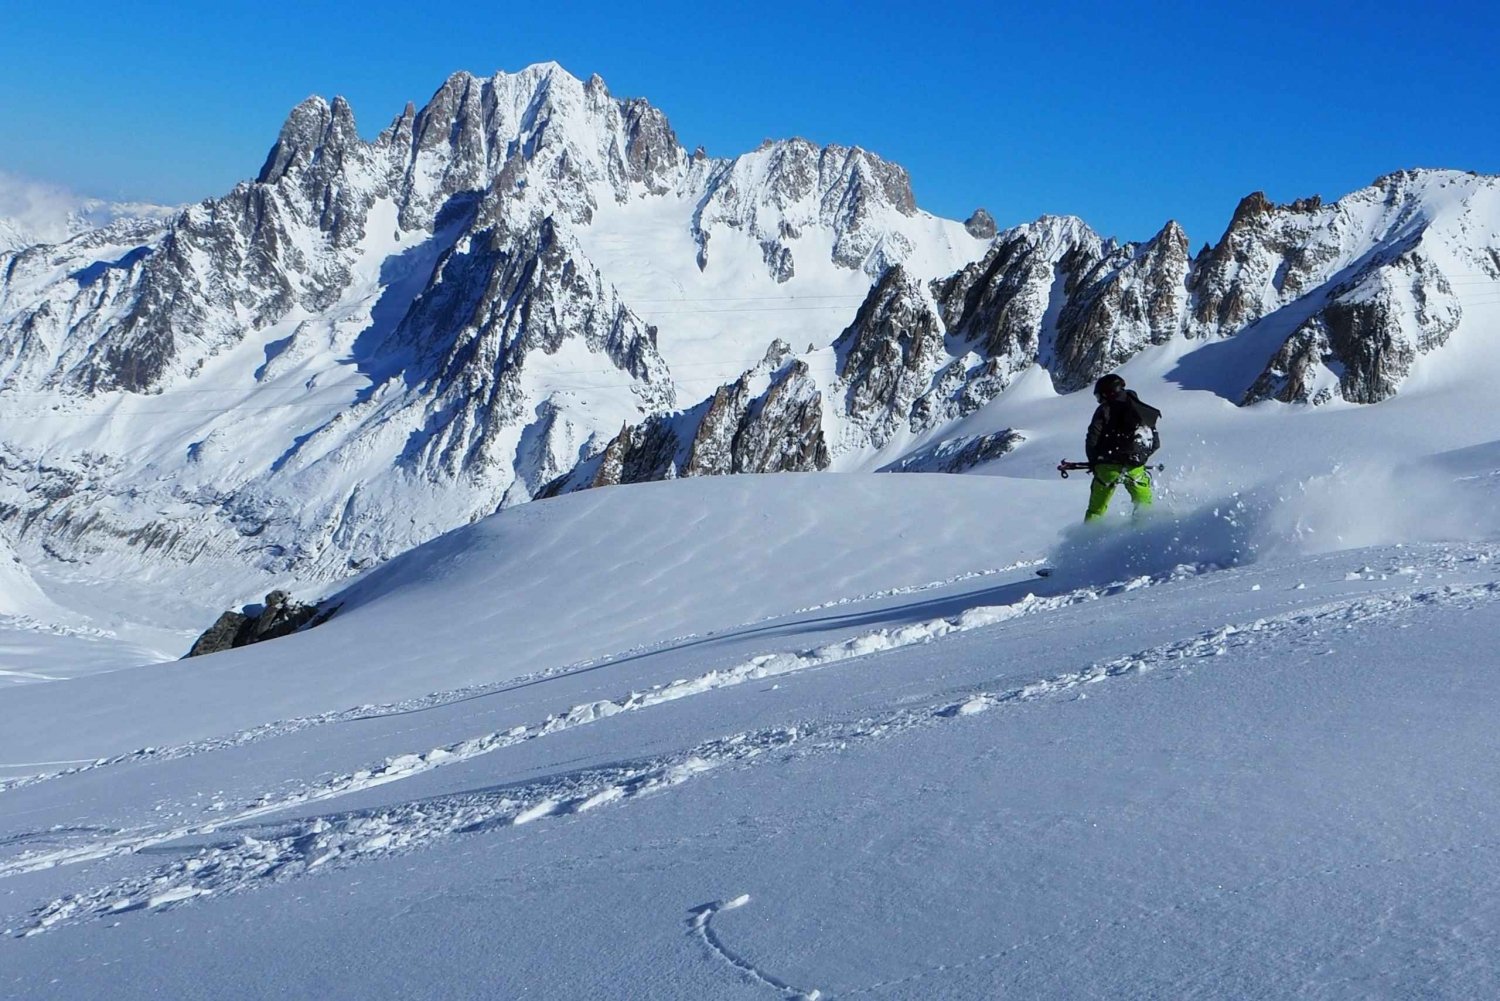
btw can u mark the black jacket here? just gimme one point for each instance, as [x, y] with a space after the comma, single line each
[1123, 432]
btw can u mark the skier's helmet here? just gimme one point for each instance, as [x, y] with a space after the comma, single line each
[1109, 387]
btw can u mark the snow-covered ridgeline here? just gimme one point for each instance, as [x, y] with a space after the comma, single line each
[1302, 303]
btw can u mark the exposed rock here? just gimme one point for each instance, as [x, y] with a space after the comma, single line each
[981, 224]
[1130, 300]
[712, 450]
[279, 616]
[1268, 253]
[222, 635]
[784, 432]
[639, 454]
[779, 261]
[1004, 304]
[1364, 342]
[889, 355]
[651, 146]
[737, 430]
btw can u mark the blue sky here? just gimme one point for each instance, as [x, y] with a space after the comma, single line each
[1125, 114]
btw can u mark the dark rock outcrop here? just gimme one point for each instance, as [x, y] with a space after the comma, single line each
[888, 354]
[981, 224]
[1363, 343]
[1130, 300]
[737, 430]
[279, 616]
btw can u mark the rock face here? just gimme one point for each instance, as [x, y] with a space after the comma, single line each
[956, 455]
[1364, 341]
[888, 356]
[770, 420]
[279, 616]
[981, 224]
[1131, 299]
[1357, 284]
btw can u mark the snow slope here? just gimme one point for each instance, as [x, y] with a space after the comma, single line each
[823, 735]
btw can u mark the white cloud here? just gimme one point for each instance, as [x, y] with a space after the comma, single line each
[40, 212]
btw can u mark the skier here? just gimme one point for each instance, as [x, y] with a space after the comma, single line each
[1121, 437]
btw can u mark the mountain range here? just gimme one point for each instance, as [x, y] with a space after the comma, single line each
[529, 287]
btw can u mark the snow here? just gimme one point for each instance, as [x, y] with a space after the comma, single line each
[715, 322]
[806, 736]
[825, 736]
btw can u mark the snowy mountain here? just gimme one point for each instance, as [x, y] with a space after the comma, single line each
[428, 323]
[1322, 303]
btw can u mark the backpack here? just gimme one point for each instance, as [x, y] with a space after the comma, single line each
[1147, 439]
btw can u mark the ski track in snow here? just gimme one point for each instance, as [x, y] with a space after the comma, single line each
[404, 766]
[278, 851]
[701, 923]
[438, 700]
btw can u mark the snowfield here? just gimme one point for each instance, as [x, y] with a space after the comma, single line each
[823, 735]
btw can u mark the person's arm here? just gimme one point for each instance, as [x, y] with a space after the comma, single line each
[1096, 431]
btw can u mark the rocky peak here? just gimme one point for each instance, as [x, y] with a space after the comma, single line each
[999, 303]
[888, 355]
[1132, 298]
[453, 117]
[981, 224]
[651, 147]
[788, 186]
[313, 129]
[1252, 207]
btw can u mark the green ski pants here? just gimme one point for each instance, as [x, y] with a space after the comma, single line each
[1107, 476]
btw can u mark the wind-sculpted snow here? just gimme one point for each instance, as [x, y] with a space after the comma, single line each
[255, 860]
[753, 671]
[846, 697]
